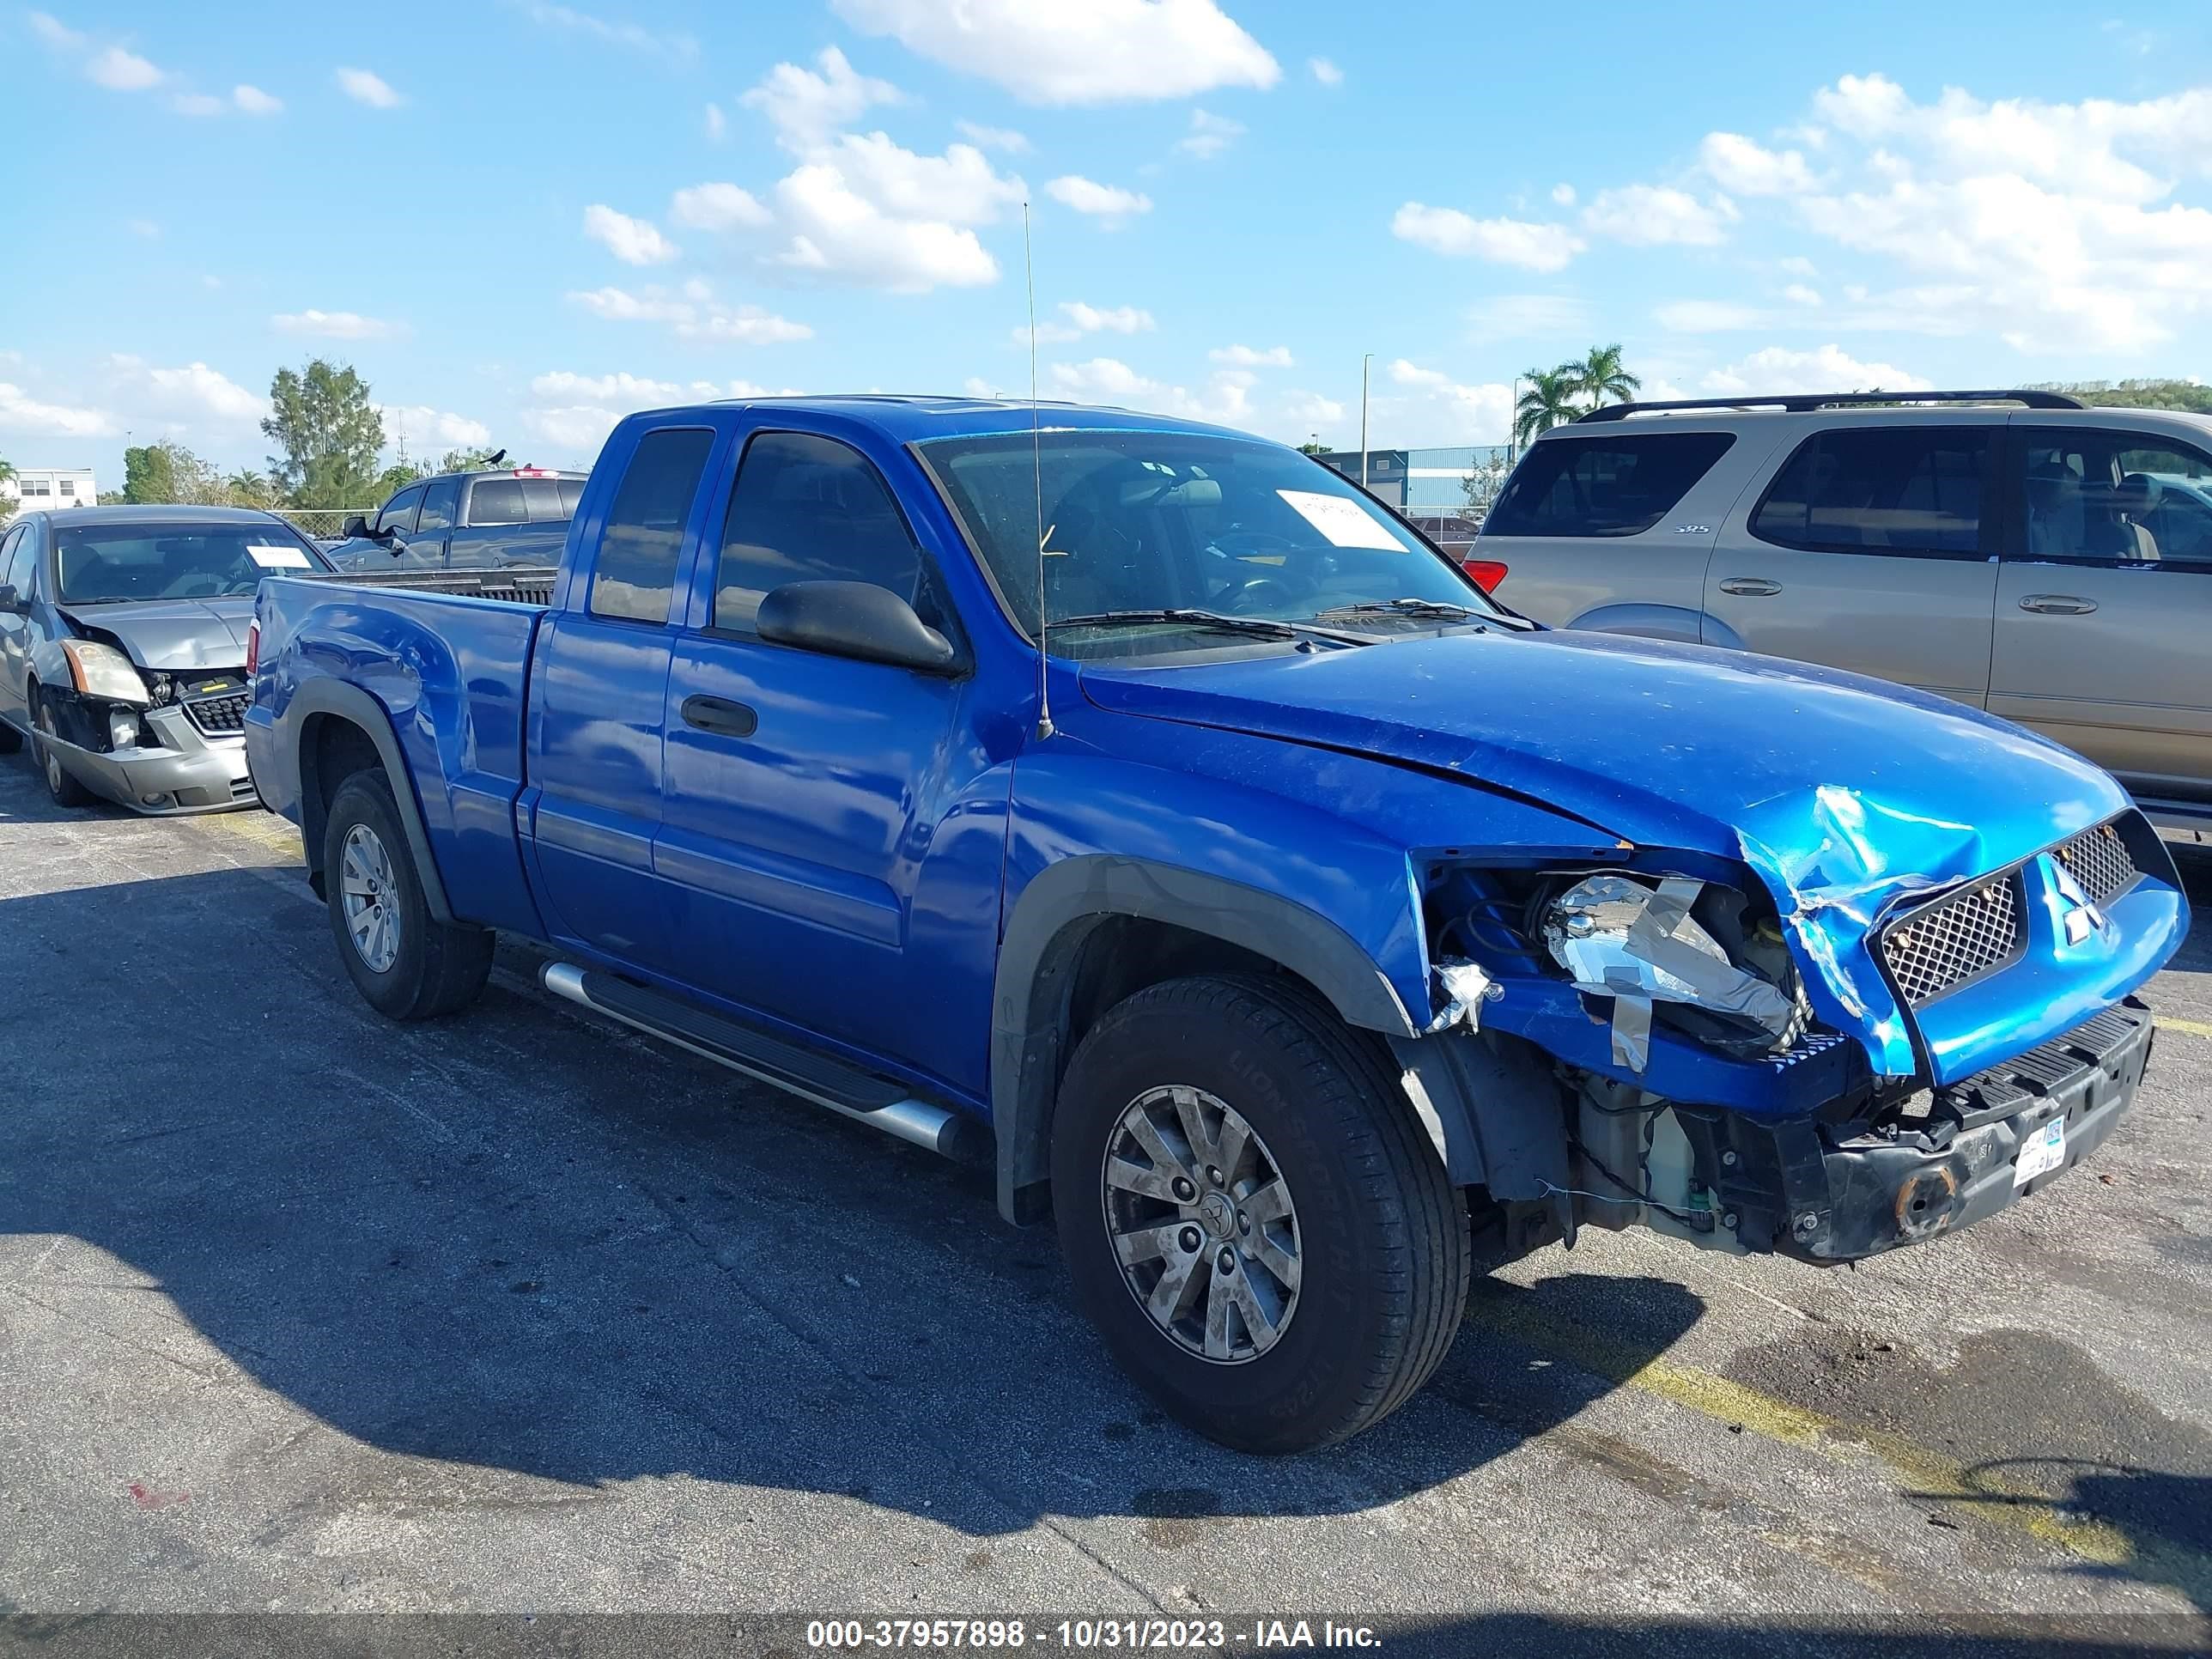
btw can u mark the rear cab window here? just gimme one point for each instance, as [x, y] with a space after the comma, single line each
[497, 501]
[634, 577]
[1910, 490]
[1620, 483]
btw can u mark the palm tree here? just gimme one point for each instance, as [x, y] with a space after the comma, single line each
[1601, 375]
[1548, 402]
[251, 488]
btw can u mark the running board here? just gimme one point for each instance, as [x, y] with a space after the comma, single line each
[845, 1090]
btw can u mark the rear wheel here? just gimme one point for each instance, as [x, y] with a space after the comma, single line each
[405, 962]
[60, 784]
[1253, 1218]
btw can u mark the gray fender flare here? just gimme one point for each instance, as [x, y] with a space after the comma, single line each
[357, 708]
[1039, 949]
[1679, 623]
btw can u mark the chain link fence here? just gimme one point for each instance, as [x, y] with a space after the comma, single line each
[322, 523]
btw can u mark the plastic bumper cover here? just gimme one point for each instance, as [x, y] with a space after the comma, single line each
[190, 772]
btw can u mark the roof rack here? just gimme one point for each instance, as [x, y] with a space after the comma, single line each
[1797, 403]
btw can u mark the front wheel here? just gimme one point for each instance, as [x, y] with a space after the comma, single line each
[1253, 1218]
[61, 784]
[405, 962]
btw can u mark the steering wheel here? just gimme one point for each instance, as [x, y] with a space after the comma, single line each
[1254, 594]
[1244, 543]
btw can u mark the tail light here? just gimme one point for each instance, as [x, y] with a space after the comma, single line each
[535, 472]
[253, 645]
[1486, 573]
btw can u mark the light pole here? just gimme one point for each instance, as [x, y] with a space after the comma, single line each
[1513, 422]
[1364, 360]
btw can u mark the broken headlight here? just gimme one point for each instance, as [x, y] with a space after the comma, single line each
[1649, 944]
[102, 672]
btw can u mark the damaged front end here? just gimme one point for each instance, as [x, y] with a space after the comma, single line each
[1662, 1043]
[156, 740]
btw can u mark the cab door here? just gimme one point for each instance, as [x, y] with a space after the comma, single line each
[1870, 550]
[831, 844]
[2105, 603]
[18, 557]
[433, 525]
[599, 678]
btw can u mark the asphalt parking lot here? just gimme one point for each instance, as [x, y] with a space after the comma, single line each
[303, 1310]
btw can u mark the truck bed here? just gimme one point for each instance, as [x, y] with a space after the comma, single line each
[516, 585]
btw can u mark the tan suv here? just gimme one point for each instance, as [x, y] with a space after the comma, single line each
[2013, 549]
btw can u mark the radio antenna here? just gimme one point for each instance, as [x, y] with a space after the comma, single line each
[1044, 727]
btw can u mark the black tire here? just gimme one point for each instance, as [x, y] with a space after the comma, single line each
[60, 784]
[435, 967]
[1381, 1232]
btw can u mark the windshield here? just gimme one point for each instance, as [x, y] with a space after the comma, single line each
[1169, 521]
[106, 564]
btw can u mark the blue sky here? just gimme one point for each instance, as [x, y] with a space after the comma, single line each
[520, 220]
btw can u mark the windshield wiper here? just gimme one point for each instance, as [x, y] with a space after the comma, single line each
[1422, 609]
[1257, 627]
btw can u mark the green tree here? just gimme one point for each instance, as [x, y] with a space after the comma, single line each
[251, 488]
[330, 434]
[468, 460]
[7, 502]
[1313, 448]
[1600, 376]
[168, 473]
[1548, 402]
[395, 478]
[2192, 396]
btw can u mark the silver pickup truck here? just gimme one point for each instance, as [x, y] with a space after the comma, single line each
[2012, 549]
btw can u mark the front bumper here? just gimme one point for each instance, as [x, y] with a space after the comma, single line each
[188, 772]
[1831, 1198]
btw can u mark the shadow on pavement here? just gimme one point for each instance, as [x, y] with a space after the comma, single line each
[520, 1244]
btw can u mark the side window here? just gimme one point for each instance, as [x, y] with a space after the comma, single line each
[809, 509]
[17, 554]
[1619, 484]
[2122, 497]
[1880, 490]
[441, 503]
[541, 500]
[635, 576]
[497, 501]
[399, 512]
[571, 491]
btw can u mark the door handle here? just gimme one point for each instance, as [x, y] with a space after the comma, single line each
[1751, 586]
[2058, 605]
[721, 716]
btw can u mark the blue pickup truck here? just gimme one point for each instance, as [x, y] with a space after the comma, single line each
[1142, 808]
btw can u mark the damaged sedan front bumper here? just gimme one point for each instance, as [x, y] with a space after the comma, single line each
[185, 758]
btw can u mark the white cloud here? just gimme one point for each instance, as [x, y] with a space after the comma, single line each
[1120, 320]
[1648, 215]
[33, 418]
[1226, 398]
[251, 100]
[718, 207]
[123, 71]
[633, 241]
[1434, 408]
[432, 429]
[1564, 195]
[1406, 373]
[1109, 203]
[1504, 242]
[1076, 52]
[717, 122]
[1737, 164]
[998, 138]
[960, 186]
[195, 391]
[805, 107]
[1775, 371]
[682, 48]
[694, 313]
[1209, 135]
[838, 234]
[51, 30]
[366, 87]
[334, 325]
[1325, 71]
[1519, 316]
[575, 412]
[1244, 356]
[1799, 295]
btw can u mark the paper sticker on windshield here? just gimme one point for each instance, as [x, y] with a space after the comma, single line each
[1346, 523]
[276, 558]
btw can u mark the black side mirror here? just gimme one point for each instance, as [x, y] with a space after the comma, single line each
[356, 528]
[854, 619]
[10, 598]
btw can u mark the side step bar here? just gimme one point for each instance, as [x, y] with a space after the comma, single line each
[843, 1089]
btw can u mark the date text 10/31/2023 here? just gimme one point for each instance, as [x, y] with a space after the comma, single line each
[986, 1636]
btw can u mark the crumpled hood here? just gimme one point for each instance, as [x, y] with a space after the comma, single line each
[1842, 793]
[173, 634]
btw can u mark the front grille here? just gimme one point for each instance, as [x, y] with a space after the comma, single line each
[1941, 945]
[2100, 862]
[220, 717]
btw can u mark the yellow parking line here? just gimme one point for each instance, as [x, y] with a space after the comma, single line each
[262, 828]
[1987, 1495]
[2195, 1028]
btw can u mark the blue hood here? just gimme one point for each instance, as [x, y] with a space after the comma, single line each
[1842, 793]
